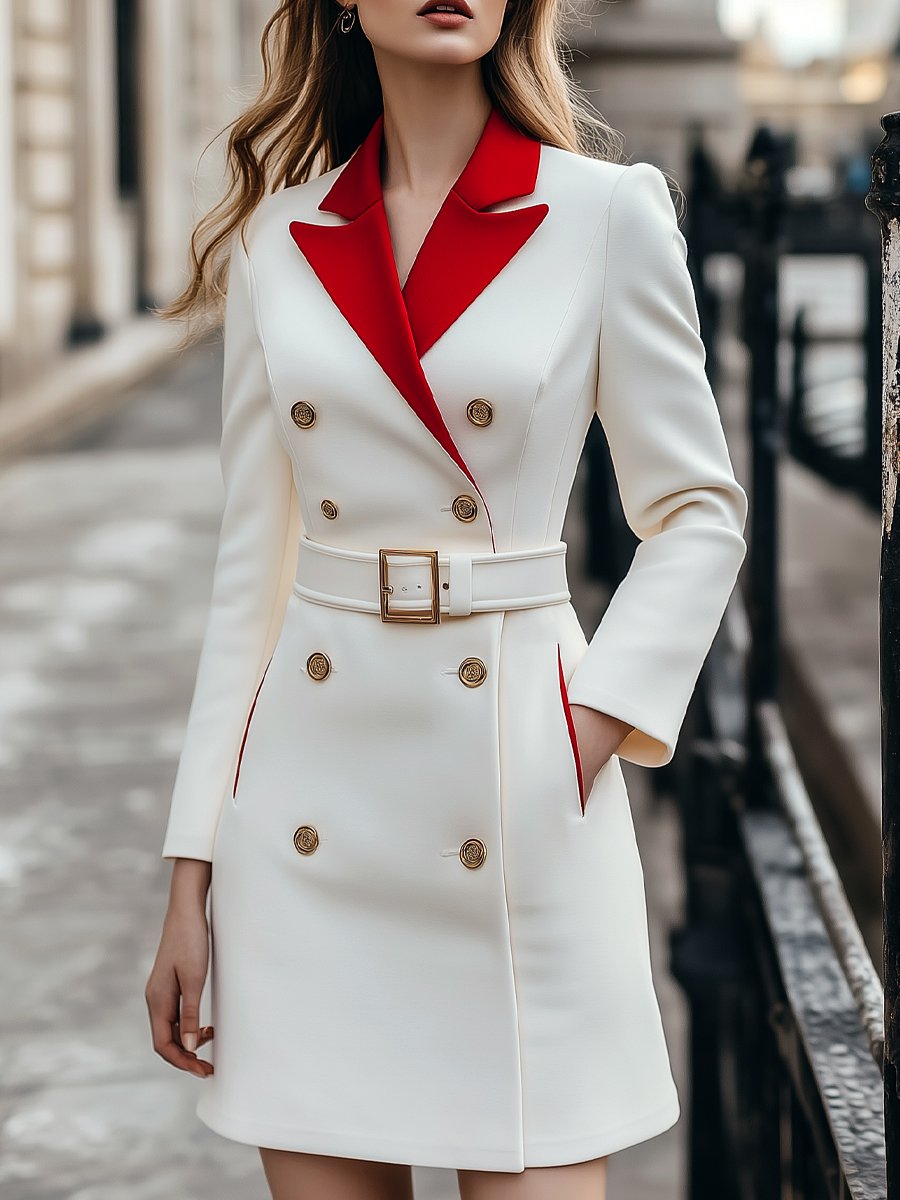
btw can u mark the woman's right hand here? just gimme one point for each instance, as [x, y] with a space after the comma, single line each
[179, 971]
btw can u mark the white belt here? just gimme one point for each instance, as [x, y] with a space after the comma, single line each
[422, 585]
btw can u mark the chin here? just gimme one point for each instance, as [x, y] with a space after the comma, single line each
[449, 56]
[436, 47]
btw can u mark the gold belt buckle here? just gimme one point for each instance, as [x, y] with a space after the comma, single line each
[430, 615]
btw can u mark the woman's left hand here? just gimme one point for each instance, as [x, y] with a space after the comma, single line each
[598, 734]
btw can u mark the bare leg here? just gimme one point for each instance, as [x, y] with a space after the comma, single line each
[299, 1176]
[575, 1181]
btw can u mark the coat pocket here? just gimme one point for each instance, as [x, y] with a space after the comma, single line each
[570, 725]
[237, 771]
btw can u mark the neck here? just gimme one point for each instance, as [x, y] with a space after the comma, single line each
[433, 117]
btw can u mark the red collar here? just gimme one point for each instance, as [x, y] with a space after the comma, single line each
[465, 249]
[503, 166]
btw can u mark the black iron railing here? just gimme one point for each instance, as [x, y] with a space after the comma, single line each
[794, 1050]
[795, 1044]
[833, 425]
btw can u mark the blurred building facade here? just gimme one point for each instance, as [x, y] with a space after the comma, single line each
[105, 109]
[655, 67]
[832, 104]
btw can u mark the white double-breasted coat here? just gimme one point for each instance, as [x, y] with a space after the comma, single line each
[429, 931]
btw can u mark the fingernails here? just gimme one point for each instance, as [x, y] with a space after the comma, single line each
[189, 1041]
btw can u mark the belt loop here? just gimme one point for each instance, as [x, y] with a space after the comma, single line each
[459, 576]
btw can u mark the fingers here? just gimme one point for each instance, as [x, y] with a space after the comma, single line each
[162, 996]
[190, 1034]
[189, 1018]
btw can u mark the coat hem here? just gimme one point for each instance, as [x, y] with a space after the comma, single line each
[609, 1141]
[444, 1155]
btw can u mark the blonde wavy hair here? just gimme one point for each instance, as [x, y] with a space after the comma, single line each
[319, 97]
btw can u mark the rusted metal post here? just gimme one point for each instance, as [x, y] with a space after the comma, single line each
[884, 201]
[872, 464]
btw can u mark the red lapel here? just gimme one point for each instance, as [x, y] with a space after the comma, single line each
[465, 248]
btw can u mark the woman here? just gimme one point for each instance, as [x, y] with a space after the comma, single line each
[401, 777]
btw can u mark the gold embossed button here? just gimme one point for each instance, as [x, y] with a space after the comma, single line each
[329, 508]
[318, 665]
[464, 508]
[306, 839]
[303, 414]
[480, 411]
[472, 853]
[472, 672]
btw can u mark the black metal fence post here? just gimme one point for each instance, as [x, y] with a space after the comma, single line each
[884, 201]
[703, 196]
[766, 162]
[786, 1009]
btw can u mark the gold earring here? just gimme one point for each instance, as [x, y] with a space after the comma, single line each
[348, 19]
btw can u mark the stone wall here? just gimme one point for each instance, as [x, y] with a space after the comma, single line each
[91, 234]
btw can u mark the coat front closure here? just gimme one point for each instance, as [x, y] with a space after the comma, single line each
[464, 248]
[430, 937]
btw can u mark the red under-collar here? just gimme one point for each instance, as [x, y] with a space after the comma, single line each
[503, 166]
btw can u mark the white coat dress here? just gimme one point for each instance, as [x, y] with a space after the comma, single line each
[429, 931]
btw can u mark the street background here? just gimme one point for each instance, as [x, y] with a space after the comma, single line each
[110, 498]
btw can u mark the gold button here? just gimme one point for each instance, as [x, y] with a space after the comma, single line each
[329, 508]
[303, 414]
[465, 508]
[480, 411]
[305, 839]
[472, 672]
[318, 665]
[472, 853]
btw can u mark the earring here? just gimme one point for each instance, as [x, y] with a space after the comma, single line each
[348, 19]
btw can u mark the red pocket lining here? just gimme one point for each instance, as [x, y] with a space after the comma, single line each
[571, 725]
[247, 730]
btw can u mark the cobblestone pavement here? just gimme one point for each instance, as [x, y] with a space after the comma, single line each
[107, 553]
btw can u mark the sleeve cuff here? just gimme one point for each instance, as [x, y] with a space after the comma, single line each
[644, 745]
[187, 845]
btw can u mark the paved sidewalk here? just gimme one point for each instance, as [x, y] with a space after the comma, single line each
[107, 552]
[85, 382]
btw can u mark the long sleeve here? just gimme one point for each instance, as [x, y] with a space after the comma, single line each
[255, 561]
[674, 474]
